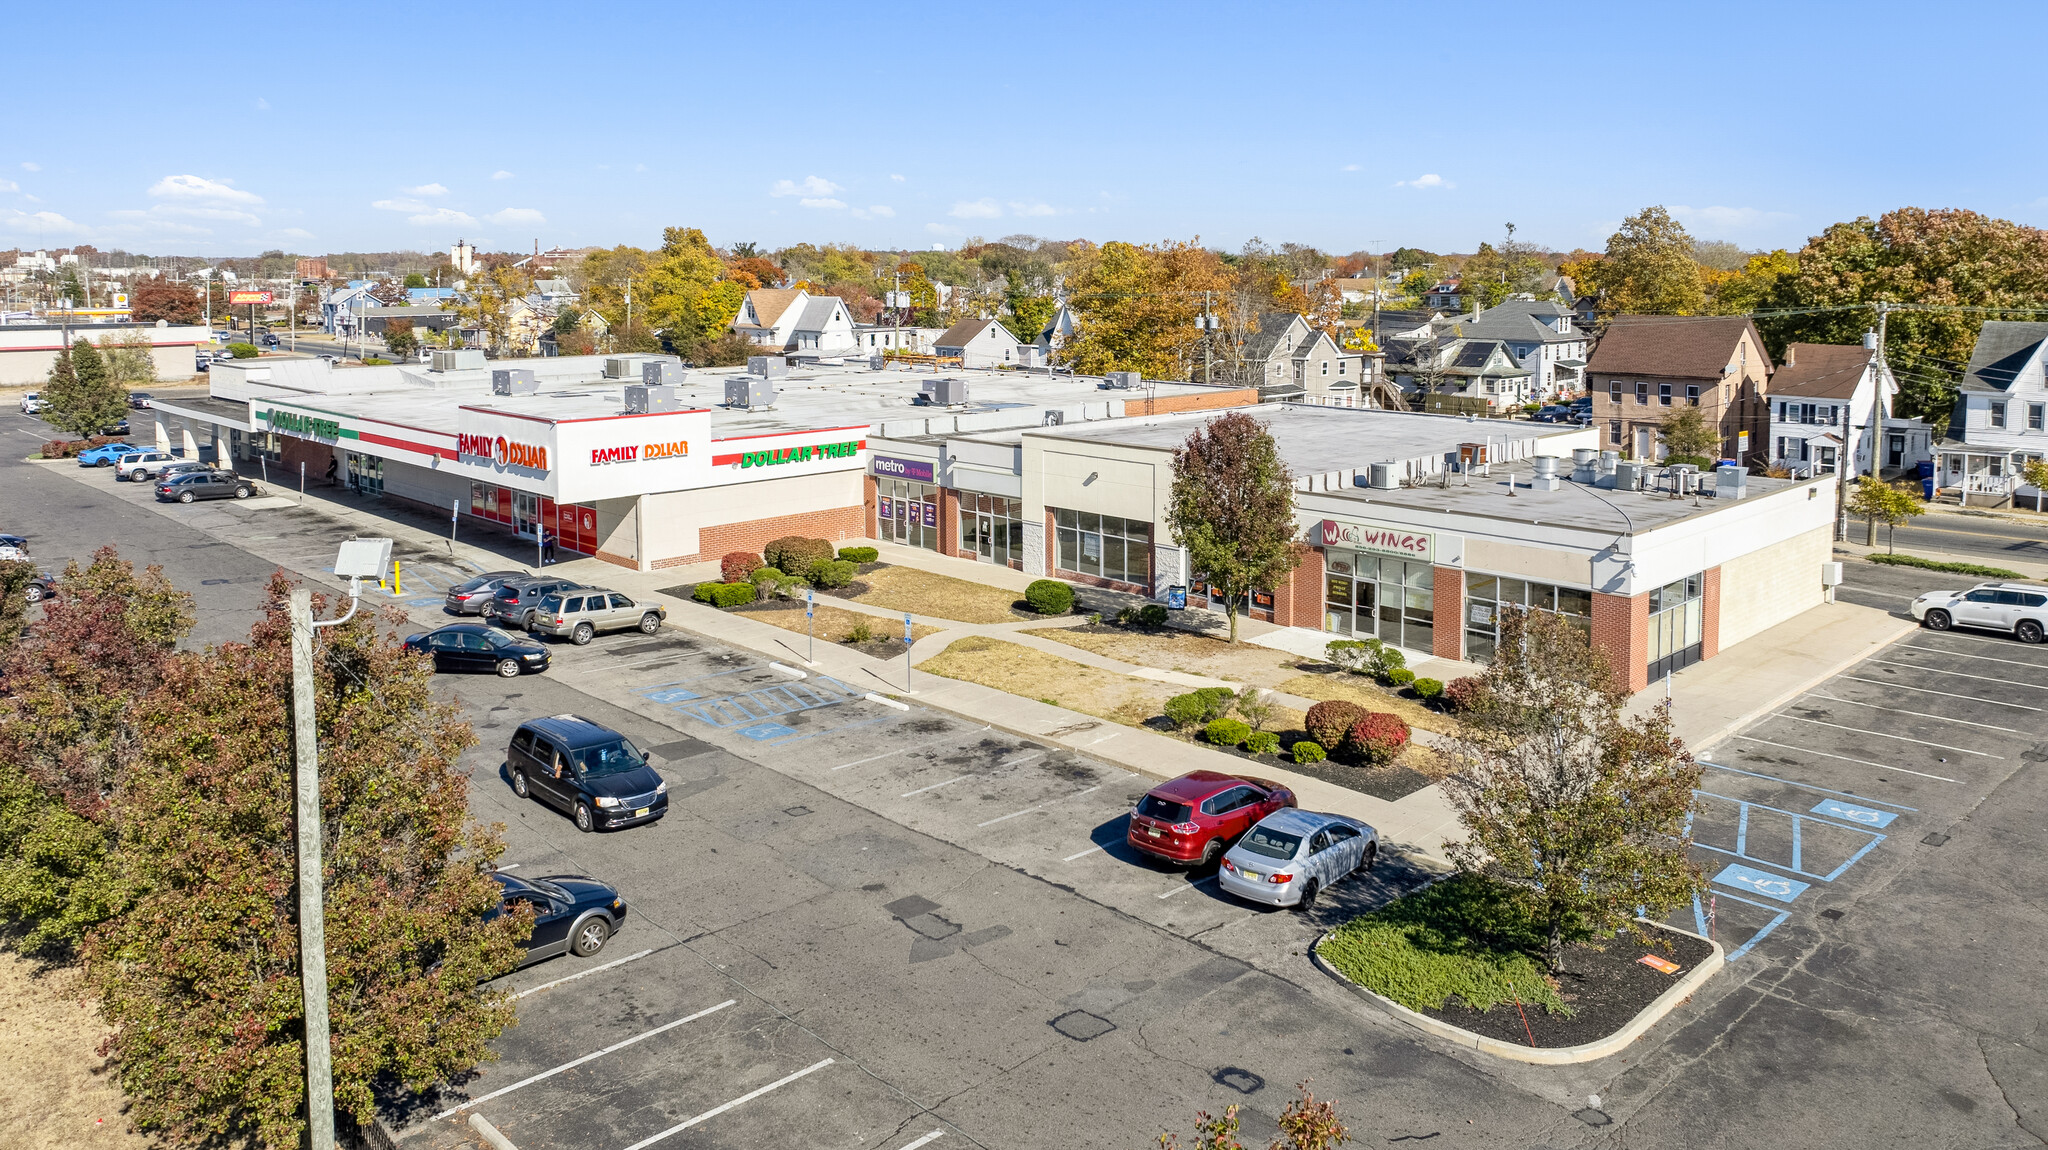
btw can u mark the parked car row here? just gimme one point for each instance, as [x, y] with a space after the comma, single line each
[177, 480]
[1264, 847]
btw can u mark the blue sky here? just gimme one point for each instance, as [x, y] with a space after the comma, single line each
[370, 127]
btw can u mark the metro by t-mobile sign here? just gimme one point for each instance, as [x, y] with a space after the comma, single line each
[894, 468]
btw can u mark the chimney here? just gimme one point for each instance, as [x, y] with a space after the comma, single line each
[1791, 350]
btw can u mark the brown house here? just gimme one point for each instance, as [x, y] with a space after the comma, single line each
[1647, 367]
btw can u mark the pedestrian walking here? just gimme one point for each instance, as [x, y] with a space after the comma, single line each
[547, 547]
[332, 466]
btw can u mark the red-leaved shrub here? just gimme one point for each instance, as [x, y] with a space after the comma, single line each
[1465, 694]
[738, 566]
[1328, 721]
[1378, 737]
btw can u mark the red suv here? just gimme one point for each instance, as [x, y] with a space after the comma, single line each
[1196, 817]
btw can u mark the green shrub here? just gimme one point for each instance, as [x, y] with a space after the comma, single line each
[1383, 659]
[1309, 751]
[860, 632]
[372, 361]
[773, 582]
[1977, 569]
[1428, 688]
[860, 554]
[247, 351]
[1262, 743]
[1049, 597]
[1328, 721]
[1227, 732]
[1466, 937]
[1152, 616]
[1400, 676]
[832, 572]
[1699, 461]
[1199, 707]
[724, 594]
[1365, 656]
[1377, 738]
[738, 566]
[795, 554]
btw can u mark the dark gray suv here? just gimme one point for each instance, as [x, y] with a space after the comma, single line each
[518, 599]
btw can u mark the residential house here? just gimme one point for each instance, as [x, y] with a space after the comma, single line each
[794, 321]
[1288, 359]
[1542, 335]
[1058, 330]
[2000, 420]
[978, 343]
[1647, 367]
[1437, 371]
[883, 338]
[1822, 397]
[1445, 296]
[340, 306]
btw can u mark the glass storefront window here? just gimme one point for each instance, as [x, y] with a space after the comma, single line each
[991, 527]
[1107, 546]
[1677, 624]
[1392, 600]
[907, 512]
[1486, 596]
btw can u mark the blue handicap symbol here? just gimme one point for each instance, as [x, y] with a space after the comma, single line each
[1861, 816]
[672, 695]
[763, 731]
[1760, 882]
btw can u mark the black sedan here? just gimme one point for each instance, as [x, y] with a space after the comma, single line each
[475, 647]
[196, 485]
[572, 914]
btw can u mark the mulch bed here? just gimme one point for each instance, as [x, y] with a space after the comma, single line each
[1390, 783]
[1605, 987]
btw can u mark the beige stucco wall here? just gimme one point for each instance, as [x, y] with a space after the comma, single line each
[1547, 564]
[771, 499]
[1772, 584]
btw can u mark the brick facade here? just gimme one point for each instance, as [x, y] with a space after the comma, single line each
[1710, 613]
[1447, 636]
[870, 508]
[1221, 397]
[1298, 602]
[1621, 631]
[949, 522]
[833, 523]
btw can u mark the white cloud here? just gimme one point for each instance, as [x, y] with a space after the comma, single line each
[31, 166]
[1725, 219]
[447, 217]
[981, 209]
[812, 186]
[874, 211]
[1427, 180]
[201, 188]
[896, 177]
[38, 222]
[428, 190]
[294, 234]
[9, 186]
[821, 202]
[501, 174]
[262, 105]
[517, 216]
[1350, 168]
[158, 213]
[943, 230]
[398, 205]
[1033, 209]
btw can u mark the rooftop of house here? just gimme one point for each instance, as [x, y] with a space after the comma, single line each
[1820, 371]
[1685, 347]
[2002, 351]
[574, 387]
[962, 333]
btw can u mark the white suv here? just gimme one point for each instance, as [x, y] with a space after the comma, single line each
[142, 464]
[2018, 608]
[32, 403]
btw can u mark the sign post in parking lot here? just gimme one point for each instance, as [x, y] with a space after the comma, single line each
[906, 652]
[810, 627]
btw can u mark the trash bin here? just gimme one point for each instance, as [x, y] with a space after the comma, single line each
[1927, 487]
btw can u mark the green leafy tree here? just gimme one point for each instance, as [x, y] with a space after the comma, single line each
[1579, 807]
[1882, 503]
[1137, 307]
[1688, 432]
[1750, 286]
[83, 397]
[1232, 507]
[1650, 270]
[199, 976]
[130, 358]
[399, 338]
[415, 280]
[1029, 311]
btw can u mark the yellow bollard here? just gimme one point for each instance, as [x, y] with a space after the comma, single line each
[397, 581]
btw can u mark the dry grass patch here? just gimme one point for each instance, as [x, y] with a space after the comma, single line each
[1034, 674]
[939, 596]
[1172, 650]
[834, 624]
[1363, 691]
[60, 1094]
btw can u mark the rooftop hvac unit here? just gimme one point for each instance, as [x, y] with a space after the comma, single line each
[749, 393]
[1545, 477]
[513, 381]
[1381, 477]
[1585, 464]
[618, 366]
[1031, 355]
[944, 392]
[642, 399]
[460, 359]
[877, 362]
[1685, 479]
[1629, 476]
[1122, 380]
[1731, 481]
[1609, 460]
[662, 373]
[767, 366]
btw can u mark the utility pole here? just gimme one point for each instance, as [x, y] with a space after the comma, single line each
[1882, 371]
[312, 908]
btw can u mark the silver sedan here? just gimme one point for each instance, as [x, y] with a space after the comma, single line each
[1291, 855]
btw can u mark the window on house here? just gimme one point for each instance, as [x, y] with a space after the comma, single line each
[1692, 394]
[2035, 412]
[1642, 395]
[1998, 415]
[1326, 367]
[1781, 448]
[1614, 431]
[1664, 394]
[1341, 365]
[1614, 390]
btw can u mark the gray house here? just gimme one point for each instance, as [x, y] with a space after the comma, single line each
[1289, 360]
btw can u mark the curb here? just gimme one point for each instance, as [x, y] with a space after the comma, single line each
[1554, 1056]
[1708, 741]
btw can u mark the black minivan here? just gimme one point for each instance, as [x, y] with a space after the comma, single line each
[594, 773]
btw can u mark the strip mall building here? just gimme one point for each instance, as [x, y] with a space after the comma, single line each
[643, 489]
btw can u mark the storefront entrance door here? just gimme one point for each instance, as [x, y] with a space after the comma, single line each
[525, 514]
[366, 474]
[987, 535]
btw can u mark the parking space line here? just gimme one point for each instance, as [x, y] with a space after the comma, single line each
[1085, 854]
[1979, 658]
[2005, 642]
[1807, 786]
[1187, 886]
[1741, 850]
[740, 1101]
[1949, 694]
[907, 750]
[582, 973]
[1882, 735]
[621, 1045]
[831, 730]
[1039, 807]
[1778, 920]
[927, 1140]
[934, 786]
[1915, 714]
[1962, 674]
[1847, 759]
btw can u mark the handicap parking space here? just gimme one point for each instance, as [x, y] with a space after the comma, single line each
[1795, 810]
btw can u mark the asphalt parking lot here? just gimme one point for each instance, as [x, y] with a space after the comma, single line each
[947, 915]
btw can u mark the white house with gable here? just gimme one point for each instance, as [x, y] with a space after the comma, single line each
[978, 343]
[2000, 420]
